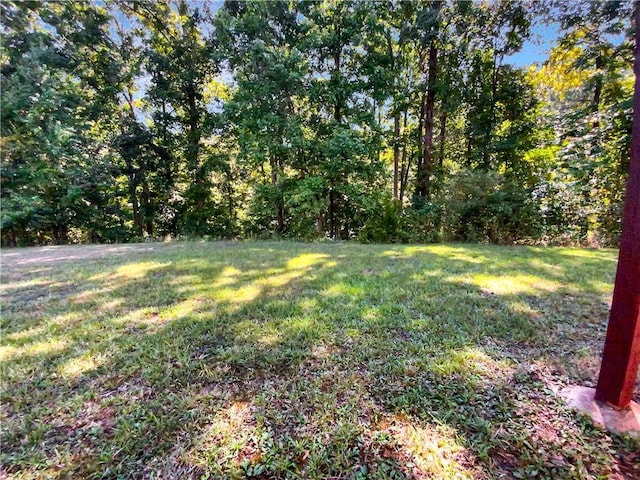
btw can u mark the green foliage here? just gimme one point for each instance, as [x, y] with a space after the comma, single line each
[56, 172]
[385, 225]
[148, 119]
[306, 206]
[486, 207]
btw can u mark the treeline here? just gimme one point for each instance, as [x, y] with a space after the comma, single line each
[376, 120]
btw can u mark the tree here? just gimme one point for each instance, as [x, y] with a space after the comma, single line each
[55, 117]
[260, 41]
[621, 355]
[344, 132]
[182, 101]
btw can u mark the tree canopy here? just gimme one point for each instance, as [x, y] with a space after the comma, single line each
[384, 121]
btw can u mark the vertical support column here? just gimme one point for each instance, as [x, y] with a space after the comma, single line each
[622, 346]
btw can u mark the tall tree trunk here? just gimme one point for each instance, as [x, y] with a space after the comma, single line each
[333, 230]
[229, 191]
[404, 171]
[60, 234]
[133, 197]
[621, 356]
[396, 121]
[443, 138]
[13, 237]
[280, 202]
[337, 116]
[146, 207]
[486, 160]
[337, 111]
[597, 93]
[193, 141]
[396, 153]
[424, 172]
[423, 104]
[168, 173]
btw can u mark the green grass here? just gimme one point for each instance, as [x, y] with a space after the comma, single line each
[286, 360]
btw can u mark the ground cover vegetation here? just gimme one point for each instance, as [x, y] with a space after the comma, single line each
[390, 121]
[290, 360]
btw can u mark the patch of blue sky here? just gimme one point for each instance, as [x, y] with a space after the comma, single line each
[535, 49]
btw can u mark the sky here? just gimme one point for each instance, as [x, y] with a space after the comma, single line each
[536, 49]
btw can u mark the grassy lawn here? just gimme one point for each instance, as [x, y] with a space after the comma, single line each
[286, 360]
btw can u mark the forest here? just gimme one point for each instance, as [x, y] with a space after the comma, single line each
[379, 121]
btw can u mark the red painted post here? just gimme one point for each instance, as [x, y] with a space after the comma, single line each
[622, 347]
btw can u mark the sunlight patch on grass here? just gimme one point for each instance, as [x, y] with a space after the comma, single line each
[600, 287]
[183, 309]
[600, 254]
[434, 449]
[35, 282]
[133, 271]
[228, 277]
[240, 295]
[225, 440]
[146, 316]
[517, 284]
[306, 260]
[308, 304]
[422, 275]
[89, 295]
[471, 361]
[281, 279]
[75, 367]
[112, 305]
[455, 253]
[23, 335]
[67, 320]
[450, 252]
[303, 325]
[269, 339]
[518, 306]
[541, 264]
[53, 345]
[371, 314]
[343, 289]
[297, 267]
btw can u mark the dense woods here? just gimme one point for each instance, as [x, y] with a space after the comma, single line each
[385, 121]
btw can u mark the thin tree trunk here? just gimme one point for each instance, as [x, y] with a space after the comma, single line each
[332, 213]
[419, 140]
[280, 203]
[13, 242]
[443, 138]
[137, 220]
[404, 166]
[229, 191]
[597, 93]
[146, 204]
[133, 196]
[396, 153]
[489, 135]
[168, 174]
[193, 140]
[60, 234]
[337, 116]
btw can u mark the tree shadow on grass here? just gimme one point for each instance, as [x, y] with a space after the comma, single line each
[298, 361]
